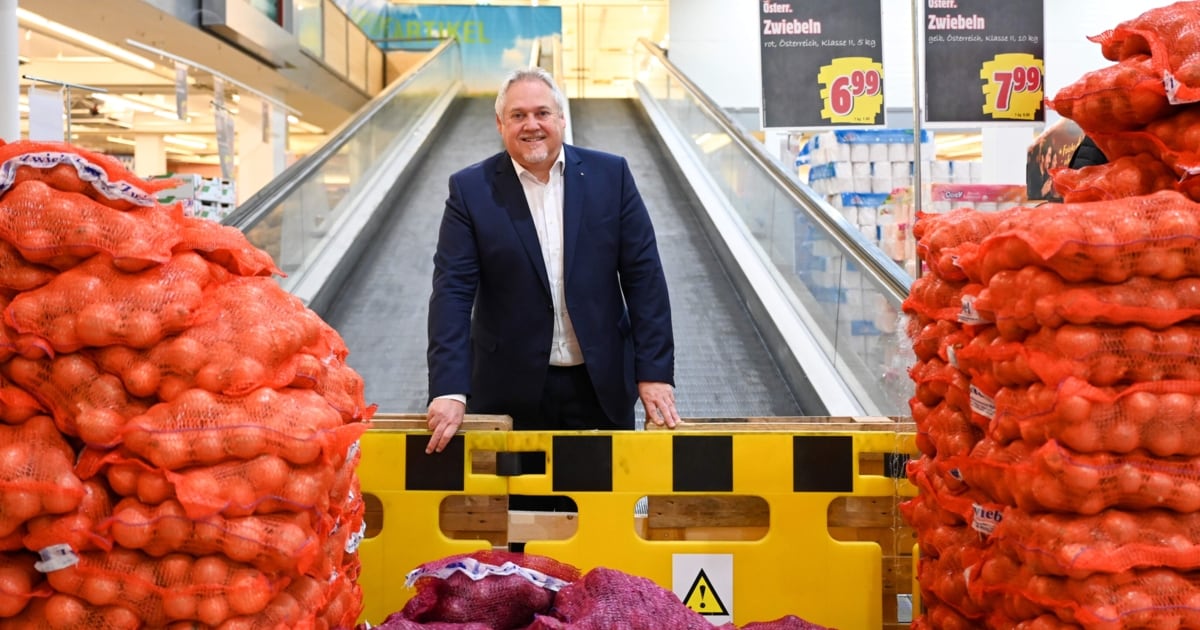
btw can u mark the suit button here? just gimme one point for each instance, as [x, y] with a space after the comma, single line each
[550, 307]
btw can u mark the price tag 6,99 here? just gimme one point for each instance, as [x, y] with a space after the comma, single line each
[852, 90]
[1012, 86]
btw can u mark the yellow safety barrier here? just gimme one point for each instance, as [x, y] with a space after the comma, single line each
[795, 568]
[410, 487]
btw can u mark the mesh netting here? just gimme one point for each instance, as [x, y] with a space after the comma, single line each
[1113, 541]
[69, 168]
[60, 611]
[934, 297]
[944, 237]
[605, 599]
[1171, 36]
[202, 428]
[944, 430]
[939, 616]
[946, 577]
[1126, 95]
[503, 601]
[94, 304]
[78, 528]
[246, 334]
[1155, 416]
[933, 339]
[85, 402]
[1171, 140]
[224, 245]
[1052, 478]
[18, 274]
[21, 583]
[62, 229]
[1103, 356]
[1153, 236]
[269, 542]
[264, 485]
[209, 589]
[36, 473]
[1126, 176]
[1131, 599]
[1025, 300]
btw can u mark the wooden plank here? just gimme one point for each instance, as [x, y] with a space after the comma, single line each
[418, 422]
[526, 526]
[795, 424]
[862, 511]
[483, 462]
[667, 511]
[474, 513]
[372, 515]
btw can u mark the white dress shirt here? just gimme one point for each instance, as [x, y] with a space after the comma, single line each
[546, 206]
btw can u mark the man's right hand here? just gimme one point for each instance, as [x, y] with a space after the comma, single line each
[445, 416]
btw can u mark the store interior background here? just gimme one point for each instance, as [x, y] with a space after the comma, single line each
[313, 68]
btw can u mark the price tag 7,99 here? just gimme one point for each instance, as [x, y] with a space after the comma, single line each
[852, 90]
[1013, 86]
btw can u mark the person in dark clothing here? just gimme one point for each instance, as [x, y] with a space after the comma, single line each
[1087, 154]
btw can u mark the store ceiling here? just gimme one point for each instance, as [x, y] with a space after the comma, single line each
[598, 39]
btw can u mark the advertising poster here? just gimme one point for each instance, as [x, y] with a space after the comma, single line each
[822, 63]
[984, 61]
[494, 39]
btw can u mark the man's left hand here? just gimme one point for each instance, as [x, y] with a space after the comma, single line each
[659, 401]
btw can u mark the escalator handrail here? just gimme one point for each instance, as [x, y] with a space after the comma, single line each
[888, 276]
[279, 188]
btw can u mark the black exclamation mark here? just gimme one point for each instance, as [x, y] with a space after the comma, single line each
[702, 589]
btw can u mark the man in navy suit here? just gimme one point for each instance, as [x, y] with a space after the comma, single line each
[549, 301]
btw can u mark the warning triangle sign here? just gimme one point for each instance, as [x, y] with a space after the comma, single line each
[702, 598]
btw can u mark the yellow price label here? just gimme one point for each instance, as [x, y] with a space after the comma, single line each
[1012, 86]
[852, 90]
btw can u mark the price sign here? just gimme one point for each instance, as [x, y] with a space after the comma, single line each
[818, 63]
[1013, 86]
[851, 90]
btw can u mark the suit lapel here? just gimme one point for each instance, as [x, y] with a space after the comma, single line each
[573, 180]
[512, 199]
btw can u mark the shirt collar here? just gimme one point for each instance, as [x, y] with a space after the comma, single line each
[558, 166]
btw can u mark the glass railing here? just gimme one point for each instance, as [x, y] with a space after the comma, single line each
[293, 217]
[327, 33]
[849, 291]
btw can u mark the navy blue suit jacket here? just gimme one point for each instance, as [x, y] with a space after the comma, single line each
[491, 317]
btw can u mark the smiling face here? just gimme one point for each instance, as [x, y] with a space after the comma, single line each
[532, 125]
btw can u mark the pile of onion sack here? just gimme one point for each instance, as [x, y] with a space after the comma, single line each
[500, 590]
[178, 434]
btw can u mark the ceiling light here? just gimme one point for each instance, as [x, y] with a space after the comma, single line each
[178, 151]
[186, 142]
[172, 116]
[125, 141]
[83, 38]
[120, 104]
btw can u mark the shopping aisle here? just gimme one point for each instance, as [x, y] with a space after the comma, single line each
[723, 368]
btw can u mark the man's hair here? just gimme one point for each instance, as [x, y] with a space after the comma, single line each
[529, 74]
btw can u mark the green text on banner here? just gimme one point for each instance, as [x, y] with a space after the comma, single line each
[822, 63]
[984, 60]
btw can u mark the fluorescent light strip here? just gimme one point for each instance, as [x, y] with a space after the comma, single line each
[125, 141]
[124, 103]
[186, 142]
[83, 38]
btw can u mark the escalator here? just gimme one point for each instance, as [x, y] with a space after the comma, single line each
[380, 311]
[736, 354]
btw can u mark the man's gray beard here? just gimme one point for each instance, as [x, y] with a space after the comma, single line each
[535, 157]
